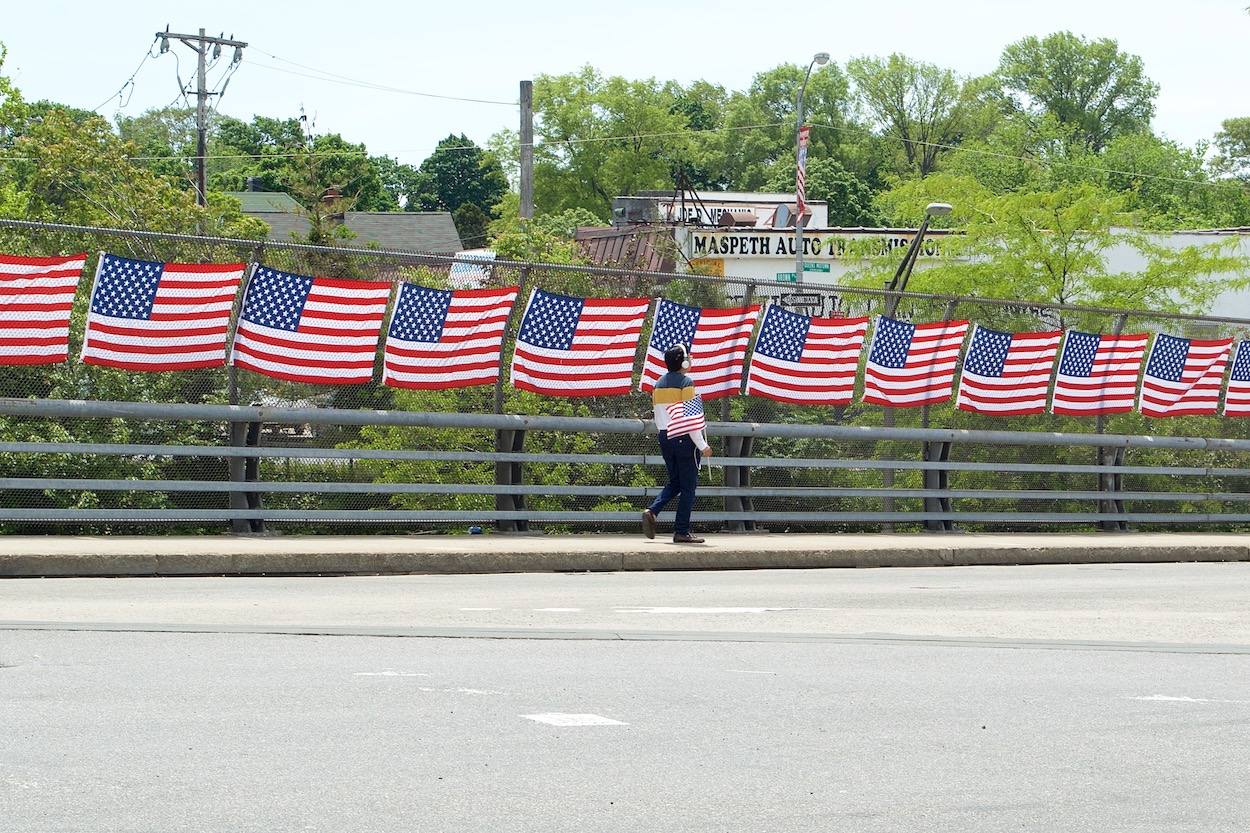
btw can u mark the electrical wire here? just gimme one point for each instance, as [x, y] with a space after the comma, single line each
[130, 82]
[342, 79]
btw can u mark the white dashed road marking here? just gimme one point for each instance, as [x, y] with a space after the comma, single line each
[574, 719]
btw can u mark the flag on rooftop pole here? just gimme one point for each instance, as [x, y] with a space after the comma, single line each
[1183, 376]
[806, 360]
[1007, 374]
[577, 346]
[36, 299]
[1097, 374]
[912, 364]
[717, 339]
[316, 330]
[446, 339]
[160, 316]
[1237, 397]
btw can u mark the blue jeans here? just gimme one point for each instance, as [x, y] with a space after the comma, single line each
[681, 459]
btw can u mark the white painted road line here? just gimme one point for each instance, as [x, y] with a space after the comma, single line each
[574, 719]
[1163, 698]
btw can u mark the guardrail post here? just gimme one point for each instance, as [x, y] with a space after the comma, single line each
[937, 479]
[739, 477]
[509, 441]
[1111, 482]
[245, 470]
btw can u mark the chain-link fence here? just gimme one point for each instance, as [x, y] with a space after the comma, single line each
[560, 458]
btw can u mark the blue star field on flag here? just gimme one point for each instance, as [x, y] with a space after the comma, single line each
[675, 324]
[1079, 352]
[276, 299]
[891, 343]
[987, 353]
[1167, 359]
[421, 314]
[126, 288]
[551, 321]
[783, 335]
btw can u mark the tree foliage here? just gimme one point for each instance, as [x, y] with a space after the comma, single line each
[1090, 86]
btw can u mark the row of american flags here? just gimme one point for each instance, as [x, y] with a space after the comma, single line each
[171, 316]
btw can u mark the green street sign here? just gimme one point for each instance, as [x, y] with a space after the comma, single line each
[815, 267]
[787, 277]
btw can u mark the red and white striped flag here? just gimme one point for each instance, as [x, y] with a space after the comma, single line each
[36, 299]
[316, 330]
[1007, 374]
[578, 346]
[717, 339]
[446, 339]
[912, 364]
[685, 417]
[1183, 376]
[1237, 397]
[800, 177]
[1097, 374]
[160, 316]
[806, 360]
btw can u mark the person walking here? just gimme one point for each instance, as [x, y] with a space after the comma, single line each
[683, 443]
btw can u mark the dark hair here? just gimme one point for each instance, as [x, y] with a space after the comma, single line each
[674, 357]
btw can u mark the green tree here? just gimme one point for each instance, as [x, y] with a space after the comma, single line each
[1052, 246]
[459, 172]
[1092, 86]
[851, 200]
[919, 105]
[1233, 143]
[472, 224]
[758, 130]
[598, 138]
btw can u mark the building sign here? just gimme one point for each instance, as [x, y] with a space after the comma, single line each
[754, 243]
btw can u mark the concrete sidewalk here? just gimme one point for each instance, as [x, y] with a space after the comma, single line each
[31, 556]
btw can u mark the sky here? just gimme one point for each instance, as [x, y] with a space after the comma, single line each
[401, 76]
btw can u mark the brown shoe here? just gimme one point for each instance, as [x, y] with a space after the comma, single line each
[648, 523]
[683, 538]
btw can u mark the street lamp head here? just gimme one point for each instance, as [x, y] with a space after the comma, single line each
[935, 209]
[821, 58]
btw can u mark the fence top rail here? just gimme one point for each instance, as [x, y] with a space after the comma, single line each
[174, 412]
[431, 258]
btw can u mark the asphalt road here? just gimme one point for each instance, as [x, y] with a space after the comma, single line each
[1108, 698]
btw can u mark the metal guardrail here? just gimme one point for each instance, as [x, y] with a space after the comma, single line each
[243, 492]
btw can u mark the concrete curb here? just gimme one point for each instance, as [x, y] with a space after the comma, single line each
[30, 557]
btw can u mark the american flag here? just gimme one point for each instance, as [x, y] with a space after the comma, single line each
[806, 360]
[1097, 374]
[1007, 374]
[577, 346]
[800, 177]
[36, 298]
[1237, 397]
[160, 316]
[685, 418]
[717, 339]
[1183, 376]
[912, 364]
[441, 338]
[316, 330]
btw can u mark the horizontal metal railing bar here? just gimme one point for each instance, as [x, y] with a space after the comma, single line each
[62, 408]
[790, 493]
[276, 452]
[539, 516]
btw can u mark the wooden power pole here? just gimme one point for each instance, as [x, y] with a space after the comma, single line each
[200, 44]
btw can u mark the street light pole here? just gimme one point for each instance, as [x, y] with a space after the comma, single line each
[800, 155]
[899, 282]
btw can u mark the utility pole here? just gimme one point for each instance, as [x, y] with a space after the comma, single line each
[200, 44]
[527, 150]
